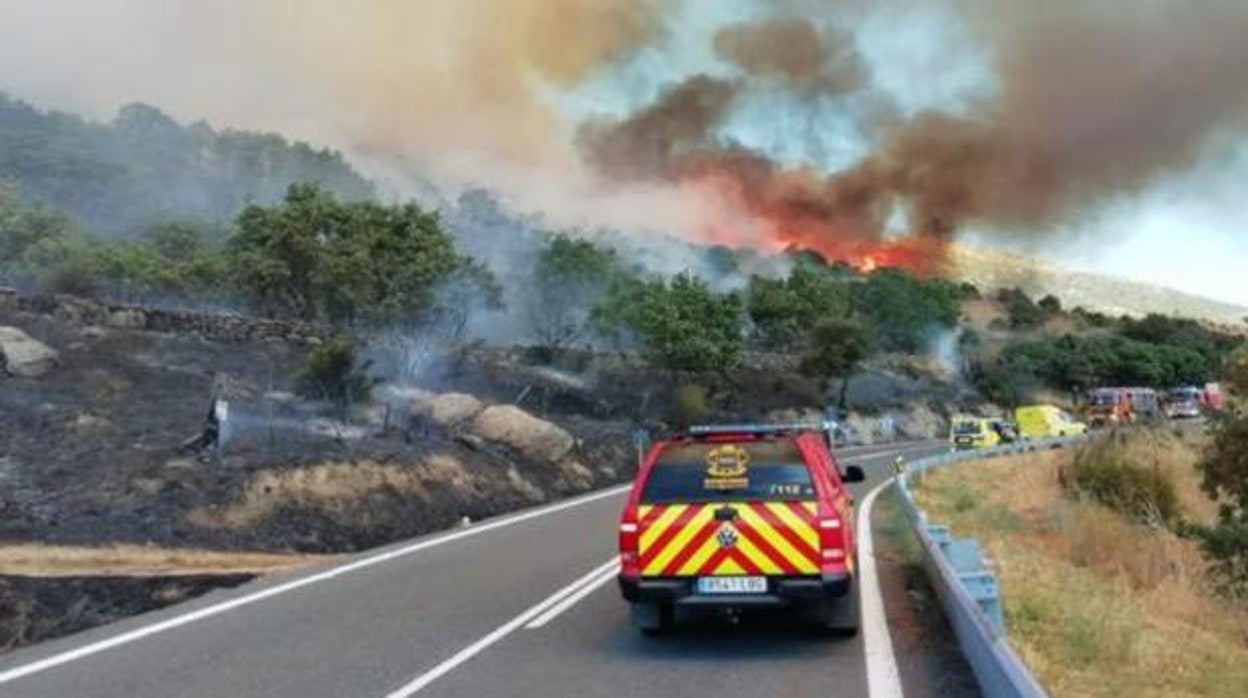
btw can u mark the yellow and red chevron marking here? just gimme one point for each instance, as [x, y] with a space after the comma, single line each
[771, 538]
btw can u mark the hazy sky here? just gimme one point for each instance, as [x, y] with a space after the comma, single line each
[493, 91]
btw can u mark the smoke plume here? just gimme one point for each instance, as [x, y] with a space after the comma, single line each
[1082, 102]
[1093, 103]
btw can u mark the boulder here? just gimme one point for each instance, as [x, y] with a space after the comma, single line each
[450, 409]
[133, 318]
[23, 356]
[920, 422]
[575, 474]
[533, 438]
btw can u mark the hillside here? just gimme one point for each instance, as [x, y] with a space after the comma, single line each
[1110, 295]
[121, 176]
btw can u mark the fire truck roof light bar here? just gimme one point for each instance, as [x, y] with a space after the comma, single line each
[757, 429]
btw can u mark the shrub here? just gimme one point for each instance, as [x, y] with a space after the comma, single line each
[1224, 467]
[317, 259]
[781, 309]
[682, 325]
[1103, 473]
[839, 346]
[569, 276]
[1022, 311]
[904, 312]
[333, 374]
[691, 402]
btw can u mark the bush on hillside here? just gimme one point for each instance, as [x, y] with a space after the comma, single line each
[1022, 312]
[1224, 467]
[905, 312]
[317, 259]
[1103, 473]
[680, 324]
[782, 310]
[1079, 362]
[570, 275]
[692, 403]
[333, 374]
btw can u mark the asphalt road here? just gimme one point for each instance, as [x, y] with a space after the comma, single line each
[523, 605]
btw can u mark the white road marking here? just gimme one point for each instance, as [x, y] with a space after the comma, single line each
[883, 681]
[216, 609]
[448, 665]
[556, 610]
[281, 589]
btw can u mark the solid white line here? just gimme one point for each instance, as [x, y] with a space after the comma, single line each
[883, 681]
[558, 609]
[209, 611]
[448, 665]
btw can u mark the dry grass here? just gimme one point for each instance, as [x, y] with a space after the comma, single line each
[33, 560]
[342, 490]
[1098, 605]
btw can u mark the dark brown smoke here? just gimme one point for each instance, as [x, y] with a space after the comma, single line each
[793, 51]
[1095, 100]
[656, 141]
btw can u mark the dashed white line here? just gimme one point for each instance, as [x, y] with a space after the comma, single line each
[216, 609]
[883, 681]
[467, 653]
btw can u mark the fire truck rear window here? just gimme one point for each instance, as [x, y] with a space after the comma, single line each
[720, 472]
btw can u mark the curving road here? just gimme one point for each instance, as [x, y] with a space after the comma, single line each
[523, 605]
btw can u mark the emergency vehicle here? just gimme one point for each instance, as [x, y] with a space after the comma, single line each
[1108, 407]
[1046, 422]
[1184, 403]
[967, 432]
[738, 518]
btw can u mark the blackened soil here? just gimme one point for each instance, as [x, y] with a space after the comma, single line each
[37, 609]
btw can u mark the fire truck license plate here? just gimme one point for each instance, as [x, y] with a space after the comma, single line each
[732, 585]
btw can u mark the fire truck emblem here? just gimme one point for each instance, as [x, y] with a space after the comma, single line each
[727, 536]
[727, 461]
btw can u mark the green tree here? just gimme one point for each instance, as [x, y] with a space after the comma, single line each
[681, 324]
[569, 276]
[784, 311]
[839, 346]
[904, 312]
[31, 236]
[143, 166]
[1022, 311]
[1224, 467]
[317, 259]
[1050, 305]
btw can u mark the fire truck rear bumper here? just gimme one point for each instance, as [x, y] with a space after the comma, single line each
[781, 591]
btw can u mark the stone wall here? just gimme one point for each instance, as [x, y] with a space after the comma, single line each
[219, 327]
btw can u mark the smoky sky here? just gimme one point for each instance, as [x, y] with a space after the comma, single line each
[1091, 103]
[1084, 102]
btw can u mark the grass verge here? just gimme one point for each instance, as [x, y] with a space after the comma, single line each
[1098, 604]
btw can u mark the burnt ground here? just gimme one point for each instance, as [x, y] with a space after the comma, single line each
[92, 452]
[33, 610]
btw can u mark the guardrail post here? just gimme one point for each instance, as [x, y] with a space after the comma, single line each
[983, 588]
[968, 561]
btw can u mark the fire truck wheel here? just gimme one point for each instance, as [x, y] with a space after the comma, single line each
[841, 617]
[653, 618]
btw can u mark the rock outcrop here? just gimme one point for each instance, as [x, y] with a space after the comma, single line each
[533, 438]
[451, 409]
[23, 356]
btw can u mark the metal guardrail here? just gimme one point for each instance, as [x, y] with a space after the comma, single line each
[967, 588]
